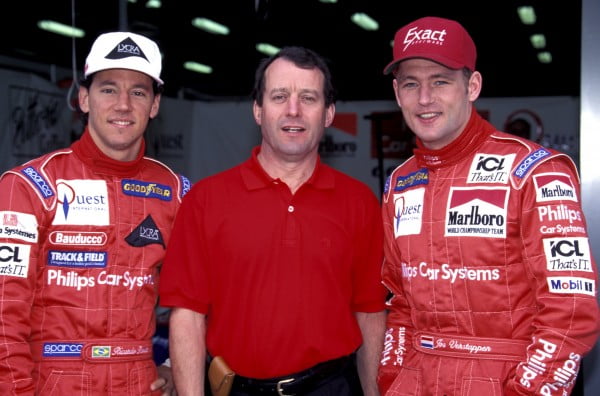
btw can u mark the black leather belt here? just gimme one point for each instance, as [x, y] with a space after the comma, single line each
[294, 384]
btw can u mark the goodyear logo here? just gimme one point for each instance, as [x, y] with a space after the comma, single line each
[100, 351]
[139, 188]
[413, 179]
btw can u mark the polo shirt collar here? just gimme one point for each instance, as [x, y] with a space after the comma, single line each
[255, 177]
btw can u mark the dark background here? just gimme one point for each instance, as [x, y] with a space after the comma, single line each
[506, 58]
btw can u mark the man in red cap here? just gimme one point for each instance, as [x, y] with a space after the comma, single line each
[486, 248]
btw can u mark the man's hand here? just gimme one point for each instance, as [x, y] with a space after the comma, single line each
[164, 382]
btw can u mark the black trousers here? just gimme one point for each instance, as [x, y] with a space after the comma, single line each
[346, 383]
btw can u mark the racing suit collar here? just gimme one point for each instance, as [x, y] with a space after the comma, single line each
[471, 138]
[90, 154]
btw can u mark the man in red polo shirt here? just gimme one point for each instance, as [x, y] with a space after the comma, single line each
[275, 264]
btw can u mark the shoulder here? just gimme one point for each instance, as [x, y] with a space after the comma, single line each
[346, 182]
[528, 158]
[160, 170]
[39, 174]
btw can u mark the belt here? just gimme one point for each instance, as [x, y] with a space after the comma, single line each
[294, 384]
[92, 351]
[470, 347]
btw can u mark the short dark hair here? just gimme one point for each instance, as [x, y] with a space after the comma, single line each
[302, 57]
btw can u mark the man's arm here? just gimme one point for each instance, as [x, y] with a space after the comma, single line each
[187, 350]
[372, 327]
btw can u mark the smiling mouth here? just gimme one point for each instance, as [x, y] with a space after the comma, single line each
[293, 129]
[121, 123]
[428, 115]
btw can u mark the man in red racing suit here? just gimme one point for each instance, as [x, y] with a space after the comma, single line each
[82, 236]
[486, 255]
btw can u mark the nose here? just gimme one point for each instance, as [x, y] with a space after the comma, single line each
[293, 106]
[425, 95]
[123, 101]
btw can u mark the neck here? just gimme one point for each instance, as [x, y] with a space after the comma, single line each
[293, 173]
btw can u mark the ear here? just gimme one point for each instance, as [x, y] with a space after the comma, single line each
[396, 91]
[329, 115]
[257, 111]
[155, 106]
[474, 86]
[84, 95]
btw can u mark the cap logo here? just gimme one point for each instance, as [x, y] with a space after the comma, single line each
[415, 36]
[126, 48]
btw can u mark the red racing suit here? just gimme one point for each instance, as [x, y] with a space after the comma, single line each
[81, 240]
[488, 262]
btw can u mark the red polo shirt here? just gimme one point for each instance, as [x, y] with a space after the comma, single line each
[279, 276]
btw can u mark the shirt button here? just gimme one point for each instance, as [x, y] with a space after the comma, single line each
[290, 208]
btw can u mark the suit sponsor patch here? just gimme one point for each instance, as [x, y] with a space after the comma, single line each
[81, 202]
[143, 189]
[408, 212]
[38, 180]
[75, 259]
[62, 349]
[145, 234]
[18, 225]
[477, 212]
[554, 187]
[14, 259]
[490, 168]
[571, 285]
[78, 238]
[529, 161]
[567, 254]
[413, 179]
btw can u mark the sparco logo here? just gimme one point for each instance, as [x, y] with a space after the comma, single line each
[61, 349]
[415, 36]
[39, 181]
[77, 238]
[529, 161]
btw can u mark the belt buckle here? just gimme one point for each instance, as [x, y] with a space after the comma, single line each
[279, 390]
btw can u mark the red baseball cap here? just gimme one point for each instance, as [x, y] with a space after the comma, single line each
[441, 40]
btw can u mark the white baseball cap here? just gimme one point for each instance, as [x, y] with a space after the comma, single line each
[124, 50]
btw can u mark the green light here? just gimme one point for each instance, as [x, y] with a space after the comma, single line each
[153, 4]
[364, 21]
[267, 49]
[538, 40]
[210, 26]
[527, 15]
[59, 28]
[197, 67]
[545, 57]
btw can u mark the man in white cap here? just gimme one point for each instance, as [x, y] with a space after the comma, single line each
[486, 249]
[84, 234]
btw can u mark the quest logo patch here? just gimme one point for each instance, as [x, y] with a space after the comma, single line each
[408, 212]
